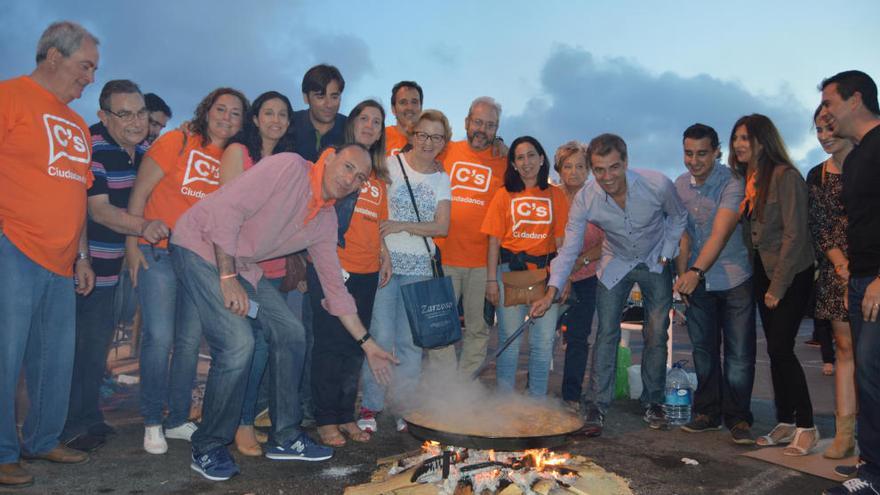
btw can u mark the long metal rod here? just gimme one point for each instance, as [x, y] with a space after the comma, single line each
[522, 328]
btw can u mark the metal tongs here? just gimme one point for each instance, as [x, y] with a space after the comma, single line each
[522, 328]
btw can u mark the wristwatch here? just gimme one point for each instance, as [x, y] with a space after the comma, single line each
[82, 256]
[701, 273]
[663, 260]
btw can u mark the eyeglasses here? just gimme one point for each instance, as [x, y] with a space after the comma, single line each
[478, 123]
[127, 116]
[421, 137]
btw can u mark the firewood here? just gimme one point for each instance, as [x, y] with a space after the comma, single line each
[511, 489]
[390, 485]
[543, 487]
[397, 457]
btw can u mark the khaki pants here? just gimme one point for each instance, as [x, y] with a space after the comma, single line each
[469, 284]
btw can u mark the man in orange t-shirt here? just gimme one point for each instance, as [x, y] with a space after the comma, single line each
[476, 171]
[45, 155]
[406, 105]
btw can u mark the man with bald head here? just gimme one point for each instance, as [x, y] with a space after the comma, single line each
[44, 257]
[280, 207]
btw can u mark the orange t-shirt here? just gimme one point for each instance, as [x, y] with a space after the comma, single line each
[362, 243]
[394, 140]
[528, 221]
[45, 155]
[474, 177]
[192, 171]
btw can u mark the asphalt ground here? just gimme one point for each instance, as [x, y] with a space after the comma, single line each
[651, 460]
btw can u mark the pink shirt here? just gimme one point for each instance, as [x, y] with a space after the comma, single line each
[259, 216]
[274, 268]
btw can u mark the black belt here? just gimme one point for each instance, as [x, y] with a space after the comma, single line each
[518, 261]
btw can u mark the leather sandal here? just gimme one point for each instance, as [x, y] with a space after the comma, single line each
[781, 433]
[796, 447]
[356, 434]
[331, 436]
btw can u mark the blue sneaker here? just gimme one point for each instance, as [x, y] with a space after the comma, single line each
[215, 465]
[302, 448]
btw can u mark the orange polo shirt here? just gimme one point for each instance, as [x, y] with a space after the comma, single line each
[45, 155]
[474, 177]
[528, 221]
[362, 242]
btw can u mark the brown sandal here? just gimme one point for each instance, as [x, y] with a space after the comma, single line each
[352, 431]
[331, 436]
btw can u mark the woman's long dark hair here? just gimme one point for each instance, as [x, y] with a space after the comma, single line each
[249, 135]
[199, 123]
[772, 154]
[512, 181]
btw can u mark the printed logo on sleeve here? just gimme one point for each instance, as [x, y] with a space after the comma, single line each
[371, 193]
[66, 140]
[470, 176]
[530, 210]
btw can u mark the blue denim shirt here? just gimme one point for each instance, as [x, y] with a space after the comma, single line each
[649, 227]
[721, 190]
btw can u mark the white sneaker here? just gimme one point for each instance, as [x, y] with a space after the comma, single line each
[182, 432]
[154, 440]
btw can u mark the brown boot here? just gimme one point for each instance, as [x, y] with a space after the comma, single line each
[844, 442]
[246, 441]
[60, 454]
[14, 475]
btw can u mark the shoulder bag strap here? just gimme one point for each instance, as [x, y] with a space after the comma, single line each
[418, 217]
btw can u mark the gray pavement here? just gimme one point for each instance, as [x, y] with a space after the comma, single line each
[650, 459]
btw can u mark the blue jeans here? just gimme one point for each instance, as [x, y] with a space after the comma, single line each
[94, 332]
[866, 342]
[231, 339]
[37, 318]
[391, 331]
[258, 368]
[579, 322]
[540, 343]
[169, 319]
[657, 296]
[726, 316]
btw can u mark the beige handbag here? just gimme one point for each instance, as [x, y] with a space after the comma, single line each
[524, 287]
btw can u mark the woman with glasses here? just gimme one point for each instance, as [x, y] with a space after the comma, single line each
[525, 223]
[336, 357]
[266, 130]
[775, 205]
[415, 176]
[180, 168]
[828, 222]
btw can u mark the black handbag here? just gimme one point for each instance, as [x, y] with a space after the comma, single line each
[431, 307]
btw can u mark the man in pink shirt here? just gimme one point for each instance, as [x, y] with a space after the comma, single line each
[283, 206]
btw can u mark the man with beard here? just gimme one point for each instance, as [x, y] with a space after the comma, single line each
[321, 125]
[406, 105]
[850, 99]
[476, 172]
[643, 220]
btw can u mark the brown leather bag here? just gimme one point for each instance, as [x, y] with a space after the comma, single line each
[295, 272]
[524, 287]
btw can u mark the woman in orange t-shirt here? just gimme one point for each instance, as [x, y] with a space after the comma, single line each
[525, 223]
[180, 168]
[336, 358]
[266, 130]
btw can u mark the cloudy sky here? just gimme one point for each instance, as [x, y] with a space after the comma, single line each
[561, 69]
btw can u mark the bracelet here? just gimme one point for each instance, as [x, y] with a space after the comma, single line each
[82, 256]
[228, 276]
[363, 339]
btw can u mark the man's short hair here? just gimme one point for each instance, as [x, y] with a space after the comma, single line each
[702, 131]
[485, 100]
[113, 87]
[318, 77]
[64, 36]
[851, 81]
[156, 104]
[406, 84]
[603, 144]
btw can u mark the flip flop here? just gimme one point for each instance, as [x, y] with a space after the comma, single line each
[331, 436]
[356, 434]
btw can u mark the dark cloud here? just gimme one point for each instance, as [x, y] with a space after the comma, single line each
[183, 50]
[584, 96]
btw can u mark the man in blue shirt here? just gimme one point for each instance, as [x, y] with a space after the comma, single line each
[321, 125]
[714, 278]
[643, 220]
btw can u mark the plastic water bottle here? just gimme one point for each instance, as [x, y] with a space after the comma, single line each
[679, 396]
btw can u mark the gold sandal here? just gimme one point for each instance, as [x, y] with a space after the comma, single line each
[795, 449]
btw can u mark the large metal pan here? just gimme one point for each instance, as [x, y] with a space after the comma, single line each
[484, 442]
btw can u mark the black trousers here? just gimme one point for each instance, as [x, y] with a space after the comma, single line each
[791, 395]
[336, 357]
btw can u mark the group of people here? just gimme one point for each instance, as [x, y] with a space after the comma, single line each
[212, 222]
